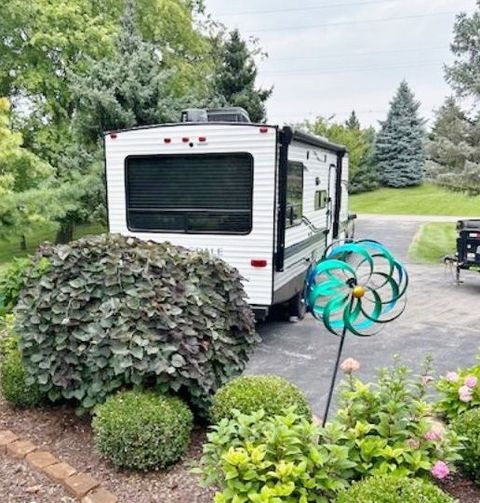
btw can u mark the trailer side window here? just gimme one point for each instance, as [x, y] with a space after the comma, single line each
[320, 199]
[294, 193]
[197, 193]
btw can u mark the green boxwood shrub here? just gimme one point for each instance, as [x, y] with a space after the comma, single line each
[391, 489]
[142, 430]
[247, 394]
[13, 376]
[114, 311]
[467, 426]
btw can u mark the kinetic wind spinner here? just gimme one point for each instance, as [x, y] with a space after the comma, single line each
[357, 287]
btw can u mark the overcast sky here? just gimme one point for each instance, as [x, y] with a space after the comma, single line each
[328, 57]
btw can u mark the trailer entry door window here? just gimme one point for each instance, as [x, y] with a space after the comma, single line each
[198, 193]
[320, 199]
[294, 193]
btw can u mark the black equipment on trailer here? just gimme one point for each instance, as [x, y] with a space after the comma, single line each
[468, 245]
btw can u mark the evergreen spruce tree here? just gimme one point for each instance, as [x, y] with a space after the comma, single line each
[352, 122]
[236, 79]
[399, 147]
[366, 176]
[453, 152]
[132, 88]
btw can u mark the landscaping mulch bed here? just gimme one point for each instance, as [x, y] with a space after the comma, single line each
[70, 438]
[20, 484]
[464, 490]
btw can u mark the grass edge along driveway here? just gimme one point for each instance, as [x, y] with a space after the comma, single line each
[426, 199]
[433, 241]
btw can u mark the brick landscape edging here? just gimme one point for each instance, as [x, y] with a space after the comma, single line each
[80, 485]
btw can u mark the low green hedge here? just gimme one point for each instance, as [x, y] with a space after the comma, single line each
[13, 376]
[390, 489]
[247, 394]
[467, 426]
[142, 430]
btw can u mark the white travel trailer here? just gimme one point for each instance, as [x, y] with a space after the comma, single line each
[267, 200]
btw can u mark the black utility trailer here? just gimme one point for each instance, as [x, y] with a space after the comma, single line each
[468, 245]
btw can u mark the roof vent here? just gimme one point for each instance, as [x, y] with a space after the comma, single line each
[194, 115]
[233, 114]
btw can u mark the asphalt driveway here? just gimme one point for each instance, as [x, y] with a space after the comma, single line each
[441, 319]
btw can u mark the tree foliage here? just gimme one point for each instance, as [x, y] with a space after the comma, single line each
[359, 143]
[19, 169]
[236, 79]
[399, 147]
[73, 68]
[352, 122]
[464, 73]
[453, 149]
[133, 87]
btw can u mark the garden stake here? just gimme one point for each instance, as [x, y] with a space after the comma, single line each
[349, 292]
[334, 377]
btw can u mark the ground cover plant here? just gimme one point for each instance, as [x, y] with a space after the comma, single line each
[248, 394]
[112, 311]
[142, 430]
[260, 458]
[388, 427]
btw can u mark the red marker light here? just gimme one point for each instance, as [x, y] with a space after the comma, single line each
[264, 130]
[185, 139]
[167, 140]
[258, 262]
[113, 136]
[202, 139]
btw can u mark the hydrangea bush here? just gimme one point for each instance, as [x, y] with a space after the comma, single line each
[112, 311]
[391, 489]
[388, 427]
[467, 425]
[459, 391]
[261, 458]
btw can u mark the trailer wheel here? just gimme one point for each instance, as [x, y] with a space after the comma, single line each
[296, 308]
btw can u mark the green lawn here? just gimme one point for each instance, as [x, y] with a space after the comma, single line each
[46, 232]
[426, 199]
[433, 241]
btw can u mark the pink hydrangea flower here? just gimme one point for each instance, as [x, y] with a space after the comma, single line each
[465, 394]
[434, 435]
[413, 443]
[350, 365]
[470, 381]
[440, 470]
[452, 376]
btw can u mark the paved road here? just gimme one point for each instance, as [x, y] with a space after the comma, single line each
[441, 319]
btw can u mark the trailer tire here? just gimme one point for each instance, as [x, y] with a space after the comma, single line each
[296, 308]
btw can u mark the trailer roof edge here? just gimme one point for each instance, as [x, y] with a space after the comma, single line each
[317, 141]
